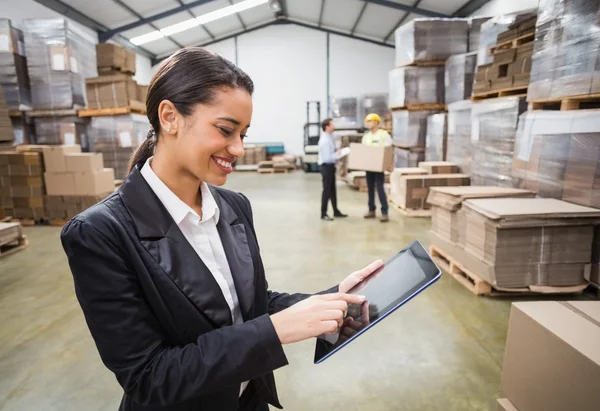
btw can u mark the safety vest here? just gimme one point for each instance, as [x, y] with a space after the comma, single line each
[379, 138]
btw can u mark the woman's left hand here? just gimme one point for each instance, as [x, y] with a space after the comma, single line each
[358, 276]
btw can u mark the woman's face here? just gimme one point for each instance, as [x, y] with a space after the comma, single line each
[212, 136]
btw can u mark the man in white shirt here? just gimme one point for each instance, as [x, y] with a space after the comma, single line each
[327, 159]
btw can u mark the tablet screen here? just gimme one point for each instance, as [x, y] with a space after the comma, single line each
[403, 276]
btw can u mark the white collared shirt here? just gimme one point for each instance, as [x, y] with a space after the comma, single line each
[202, 235]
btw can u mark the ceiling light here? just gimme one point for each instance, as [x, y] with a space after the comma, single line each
[191, 23]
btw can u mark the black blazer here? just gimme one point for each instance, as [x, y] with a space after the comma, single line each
[156, 313]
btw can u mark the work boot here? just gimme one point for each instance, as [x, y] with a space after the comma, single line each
[384, 218]
[370, 214]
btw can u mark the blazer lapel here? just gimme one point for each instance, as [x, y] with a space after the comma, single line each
[235, 243]
[167, 245]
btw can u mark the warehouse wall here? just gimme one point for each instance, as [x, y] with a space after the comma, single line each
[289, 67]
[498, 7]
[19, 10]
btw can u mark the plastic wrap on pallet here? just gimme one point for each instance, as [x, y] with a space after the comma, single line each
[566, 59]
[345, 112]
[557, 154]
[475, 24]
[58, 60]
[493, 133]
[489, 36]
[57, 130]
[404, 158]
[459, 76]
[409, 128]
[416, 85]
[458, 146]
[372, 103]
[424, 39]
[437, 135]
[116, 137]
[13, 66]
[6, 129]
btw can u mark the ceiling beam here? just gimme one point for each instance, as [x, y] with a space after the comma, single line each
[75, 15]
[139, 16]
[321, 13]
[470, 7]
[400, 22]
[362, 11]
[281, 22]
[191, 13]
[239, 17]
[227, 37]
[147, 20]
[408, 9]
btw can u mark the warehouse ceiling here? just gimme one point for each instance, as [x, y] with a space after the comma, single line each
[157, 28]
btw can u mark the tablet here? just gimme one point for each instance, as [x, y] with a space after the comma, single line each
[401, 278]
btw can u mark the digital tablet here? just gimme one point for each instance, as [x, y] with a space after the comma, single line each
[401, 278]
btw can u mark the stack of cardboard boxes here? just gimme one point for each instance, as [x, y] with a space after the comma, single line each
[458, 146]
[511, 65]
[74, 180]
[14, 77]
[253, 154]
[551, 362]
[22, 185]
[409, 189]
[437, 137]
[6, 130]
[115, 87]
[458, 77]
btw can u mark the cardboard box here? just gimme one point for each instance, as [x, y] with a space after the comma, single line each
[63, 58]
[369, 158]
[508, 35]
[95, 183]
[54, 157]
[130, 61]
[504, 404]
[552, 358]
[505, 56]
[110, 56]
[410, 192]
[142, 93]
[20, 158]
[21, 181]
[112, 91]
[439, 167]
[60, 183]
[16, 170]
[84, 162]
[11, 40]
[28, 202]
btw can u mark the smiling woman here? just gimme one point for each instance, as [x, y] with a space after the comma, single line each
[168, 270]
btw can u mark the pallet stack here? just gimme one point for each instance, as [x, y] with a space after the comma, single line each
[253, 155]
[6, 130]
[12, 238]
[410, 186]
[22, 184]
[509, 72]
[437, 137]
[516, 244]
[14, 77]
[417, 83]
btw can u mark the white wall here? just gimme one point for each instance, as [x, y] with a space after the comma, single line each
[18, 10]
[498, 7]
[288, 65]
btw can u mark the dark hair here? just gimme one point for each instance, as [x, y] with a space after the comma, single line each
[190, 76]
[325, 123]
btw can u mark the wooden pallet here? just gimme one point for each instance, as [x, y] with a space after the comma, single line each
[135, 106]
[272, 170]
[114, 70]
[53, 113]
[407, 212]
[409, 148]
[512, 43]
[421, 107]
[580, 102]
[506, 92]
[478, 286]
[30, 222]
[14, 246]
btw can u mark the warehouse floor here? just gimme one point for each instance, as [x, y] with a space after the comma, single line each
[442, 351]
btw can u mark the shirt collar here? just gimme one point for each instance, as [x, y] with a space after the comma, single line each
[174, 205]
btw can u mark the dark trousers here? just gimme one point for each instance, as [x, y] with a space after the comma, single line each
[329, 190]
[376, 180]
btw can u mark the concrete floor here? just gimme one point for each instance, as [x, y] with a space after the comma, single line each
[442, 351]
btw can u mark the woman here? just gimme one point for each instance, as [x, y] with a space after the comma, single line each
[167, 269]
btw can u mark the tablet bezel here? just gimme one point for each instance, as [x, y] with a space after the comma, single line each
[426, 264]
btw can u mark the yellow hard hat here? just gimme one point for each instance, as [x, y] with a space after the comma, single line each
[373, 117]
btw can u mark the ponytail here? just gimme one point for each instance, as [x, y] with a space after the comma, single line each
[144, 151]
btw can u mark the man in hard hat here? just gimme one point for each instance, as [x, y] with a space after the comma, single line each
[328, 156]
[378, 137]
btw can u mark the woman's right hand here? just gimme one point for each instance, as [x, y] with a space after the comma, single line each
[317, 315]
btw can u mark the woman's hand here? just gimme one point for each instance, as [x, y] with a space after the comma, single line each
[358, 276]
[317, 315]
